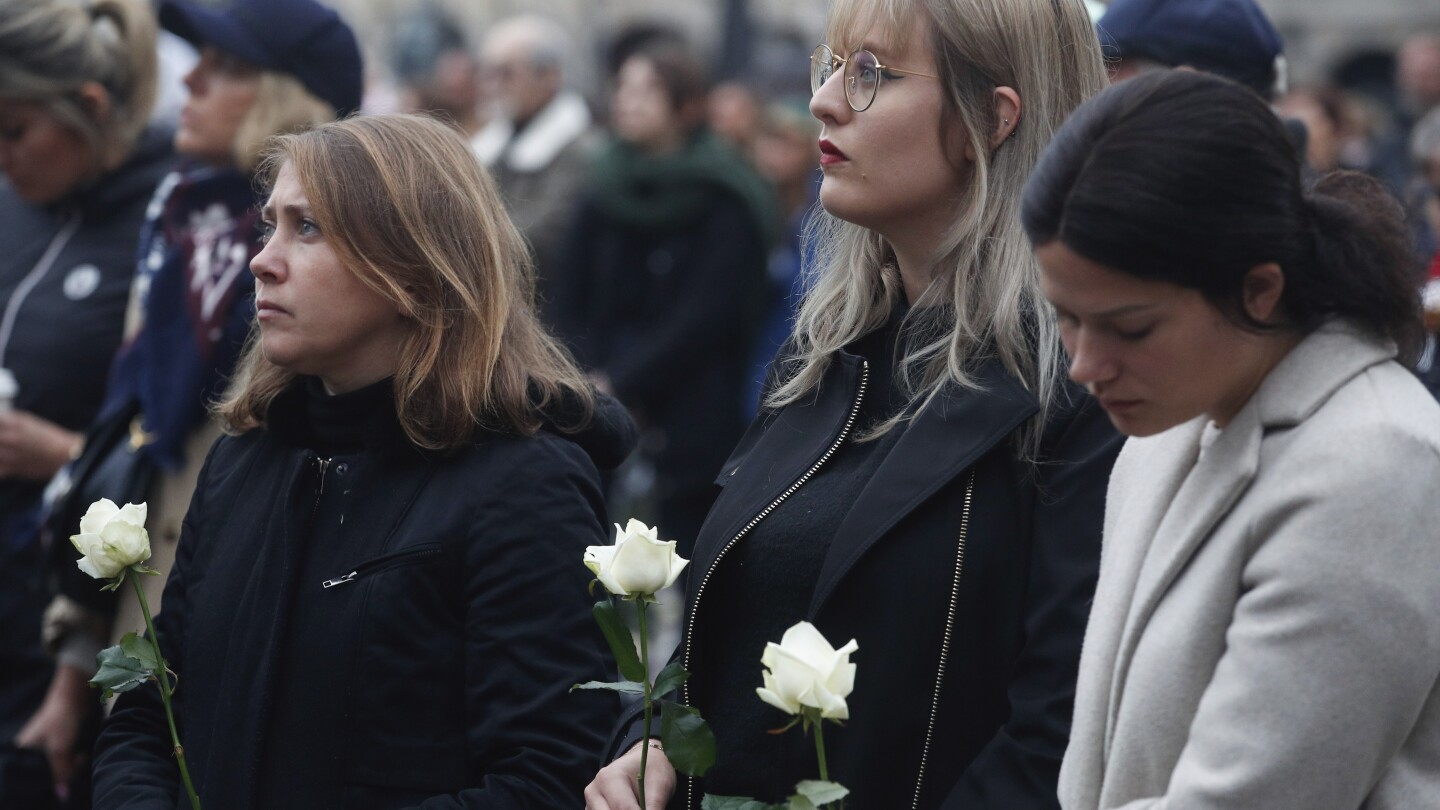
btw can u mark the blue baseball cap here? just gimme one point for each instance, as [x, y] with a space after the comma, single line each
[299, 37]
[1231, 38]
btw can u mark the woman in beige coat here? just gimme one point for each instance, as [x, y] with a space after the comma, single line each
[1266, 630]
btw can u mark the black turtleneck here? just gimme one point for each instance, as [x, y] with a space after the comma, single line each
[343, 430]
[341, 423]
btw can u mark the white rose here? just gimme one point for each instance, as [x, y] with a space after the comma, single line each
[112, 538]
[804, 670]
[638, 564]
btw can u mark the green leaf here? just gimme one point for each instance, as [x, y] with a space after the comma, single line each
[118, 672]
[141, 650]
[117, 581]
[622, 646]
[821, 793]
[669, 679]
[798, 802]
[628, 687]
[710, 802]
[689, 743]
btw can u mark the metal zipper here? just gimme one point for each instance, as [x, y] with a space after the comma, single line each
[945, 643]
[700, 591]
[384, 563]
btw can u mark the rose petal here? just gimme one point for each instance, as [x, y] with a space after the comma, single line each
[806, 643]
[133, 513]
[99, 513]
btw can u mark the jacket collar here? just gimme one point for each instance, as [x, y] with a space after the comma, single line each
[1315, 369]
[943, 440]
[940, 442]
[558, 124]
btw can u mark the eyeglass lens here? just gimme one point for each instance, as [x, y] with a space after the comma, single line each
[862, 75]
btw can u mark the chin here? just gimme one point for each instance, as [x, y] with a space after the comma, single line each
[837, 204]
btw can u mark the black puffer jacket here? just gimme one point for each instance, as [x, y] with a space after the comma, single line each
[378, 629]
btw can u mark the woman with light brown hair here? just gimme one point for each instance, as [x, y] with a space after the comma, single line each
[378, 598]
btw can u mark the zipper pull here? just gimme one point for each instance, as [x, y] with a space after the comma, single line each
[324, 464]
[330, 583]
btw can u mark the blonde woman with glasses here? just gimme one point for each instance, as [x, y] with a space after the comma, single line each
[921, 478]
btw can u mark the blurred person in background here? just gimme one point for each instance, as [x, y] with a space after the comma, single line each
[661, 284]
[1425, 150]
[540, 140]
[79, 165]
[1328, 126]
[1417, 79]
[191, 309]
[1230, 38]
[437, 71]
[787, 154]
[733, 112]
[1417, 87]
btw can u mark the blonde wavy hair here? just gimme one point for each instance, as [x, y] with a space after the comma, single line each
[985, 298]
[282, 105]
[50, 49]
[409, 210]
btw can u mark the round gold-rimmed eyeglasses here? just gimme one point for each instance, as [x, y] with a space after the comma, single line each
[862, 74]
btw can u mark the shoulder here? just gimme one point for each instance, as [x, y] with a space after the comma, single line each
[1381, 420]
[510, 462]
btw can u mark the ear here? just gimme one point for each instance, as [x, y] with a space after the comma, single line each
[1007, 118]
[96, 101]
[1263, 287]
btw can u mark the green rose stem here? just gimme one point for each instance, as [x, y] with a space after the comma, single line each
[820, 749]
[649, 706]
[162, 674]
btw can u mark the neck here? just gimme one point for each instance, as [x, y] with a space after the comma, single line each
[914, 258]
[345, 383]
[914, 241]
[1272, 349]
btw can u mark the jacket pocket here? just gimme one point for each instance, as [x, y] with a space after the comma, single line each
[413, 555]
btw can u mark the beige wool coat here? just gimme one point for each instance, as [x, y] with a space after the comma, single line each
[1266, 628]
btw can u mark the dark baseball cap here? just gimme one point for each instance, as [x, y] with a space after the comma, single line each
[303, 38]
[1231, 38]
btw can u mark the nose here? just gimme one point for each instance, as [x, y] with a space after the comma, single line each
[1090, 364]
[828, 105]
[268, 266]
[193, 79]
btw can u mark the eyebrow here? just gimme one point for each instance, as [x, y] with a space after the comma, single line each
[267, 211]
[1125, 309]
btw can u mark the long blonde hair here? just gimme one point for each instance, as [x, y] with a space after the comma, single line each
[410, 211]
[49, 49]
[985, 295]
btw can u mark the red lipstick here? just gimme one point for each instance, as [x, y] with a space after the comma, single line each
[830, 154]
